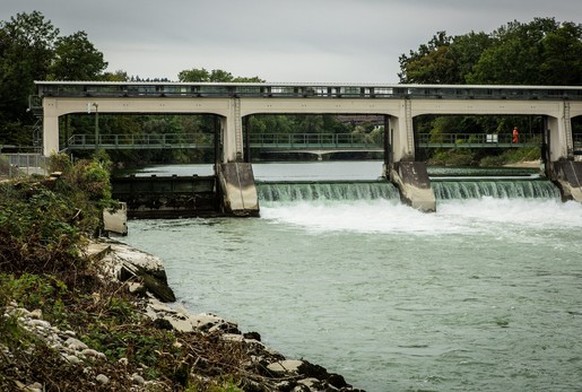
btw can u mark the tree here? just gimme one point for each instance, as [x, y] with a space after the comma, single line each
[431, 63]
[444, 59]
[117, 76]
[529, 53]
[76, 58]
[562, 56]
[26, 50]
[201, 75]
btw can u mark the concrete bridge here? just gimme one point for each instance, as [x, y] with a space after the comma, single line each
[399, 104]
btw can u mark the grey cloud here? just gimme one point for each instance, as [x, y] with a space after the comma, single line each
[349, 40]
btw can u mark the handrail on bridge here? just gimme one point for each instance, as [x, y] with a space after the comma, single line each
[480, 139]
[312, 140]
[305, 140]
[153, 140]
[302, 90]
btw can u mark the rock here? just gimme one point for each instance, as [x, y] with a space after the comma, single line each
[207, 322]
[39, 323]
[164, 324]
[252, 335]
[125, 262]
[311, 370]
[285, 367]
[89, 352]
[73, 359]
[337, 381]
[75, 344]
[102, 379]
[137, 379]
[311, 383]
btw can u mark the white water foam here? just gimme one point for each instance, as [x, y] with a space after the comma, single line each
[473, 216]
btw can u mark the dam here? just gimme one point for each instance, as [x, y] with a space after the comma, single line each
[397, 104]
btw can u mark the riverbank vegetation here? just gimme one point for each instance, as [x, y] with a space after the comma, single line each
[45, 224]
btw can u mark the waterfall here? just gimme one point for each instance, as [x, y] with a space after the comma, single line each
[307, 191]
[530, 189]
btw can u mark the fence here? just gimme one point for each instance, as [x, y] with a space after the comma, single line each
[22, 164]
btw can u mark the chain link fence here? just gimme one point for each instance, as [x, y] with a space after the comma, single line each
[22, 164]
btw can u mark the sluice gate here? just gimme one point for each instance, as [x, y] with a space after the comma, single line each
[167, 197]
[231, 192]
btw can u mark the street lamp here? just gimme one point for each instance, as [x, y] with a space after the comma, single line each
[96, 126]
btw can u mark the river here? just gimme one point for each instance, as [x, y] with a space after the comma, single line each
[483, 295]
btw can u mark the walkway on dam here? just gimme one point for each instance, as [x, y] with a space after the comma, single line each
[295, 141]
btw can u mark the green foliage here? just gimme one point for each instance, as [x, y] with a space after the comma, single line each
[36, 231]
[31, 49]
[41, 228]
[59, 163]
[76, 58]
[216, 75]
[541, 52]
[461, 157]
[26, 44]
[44, 292]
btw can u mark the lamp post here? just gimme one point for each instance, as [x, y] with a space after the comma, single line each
[96, 126]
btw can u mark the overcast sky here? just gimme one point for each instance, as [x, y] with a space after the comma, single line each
[277, 40]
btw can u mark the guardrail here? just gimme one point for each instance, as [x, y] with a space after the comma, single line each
[303, 90]
[303, 140]
[312, 140]
[472, 140]
[137, 141]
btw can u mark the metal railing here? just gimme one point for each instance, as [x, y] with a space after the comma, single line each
[303, 90]
[140, 141]
[312, 140]
[303, 141]
[472, 140]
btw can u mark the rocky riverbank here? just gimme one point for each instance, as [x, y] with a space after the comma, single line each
[214, 346]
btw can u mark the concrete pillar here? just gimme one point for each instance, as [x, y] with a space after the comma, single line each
[237, 186]
[561, 142]
[402, 133]
[232, 133]
[50, 128]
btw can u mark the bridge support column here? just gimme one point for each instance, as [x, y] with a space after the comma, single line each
[412, 181]
[235, 178]
[560, 165]
[409, 176]
[232, 133]
[237, 186]
[402, 133]
[561, 142]
[50, 128]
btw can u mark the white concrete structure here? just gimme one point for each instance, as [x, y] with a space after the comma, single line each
[233, 102]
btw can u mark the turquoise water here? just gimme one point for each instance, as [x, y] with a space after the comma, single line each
[484, 295]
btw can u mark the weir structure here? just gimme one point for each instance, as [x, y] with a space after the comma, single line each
[399, 104]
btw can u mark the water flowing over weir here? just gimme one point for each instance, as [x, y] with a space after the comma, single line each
[309, 191]
[501, 189]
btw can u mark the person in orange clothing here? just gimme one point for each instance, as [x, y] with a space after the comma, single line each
[515, 135]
